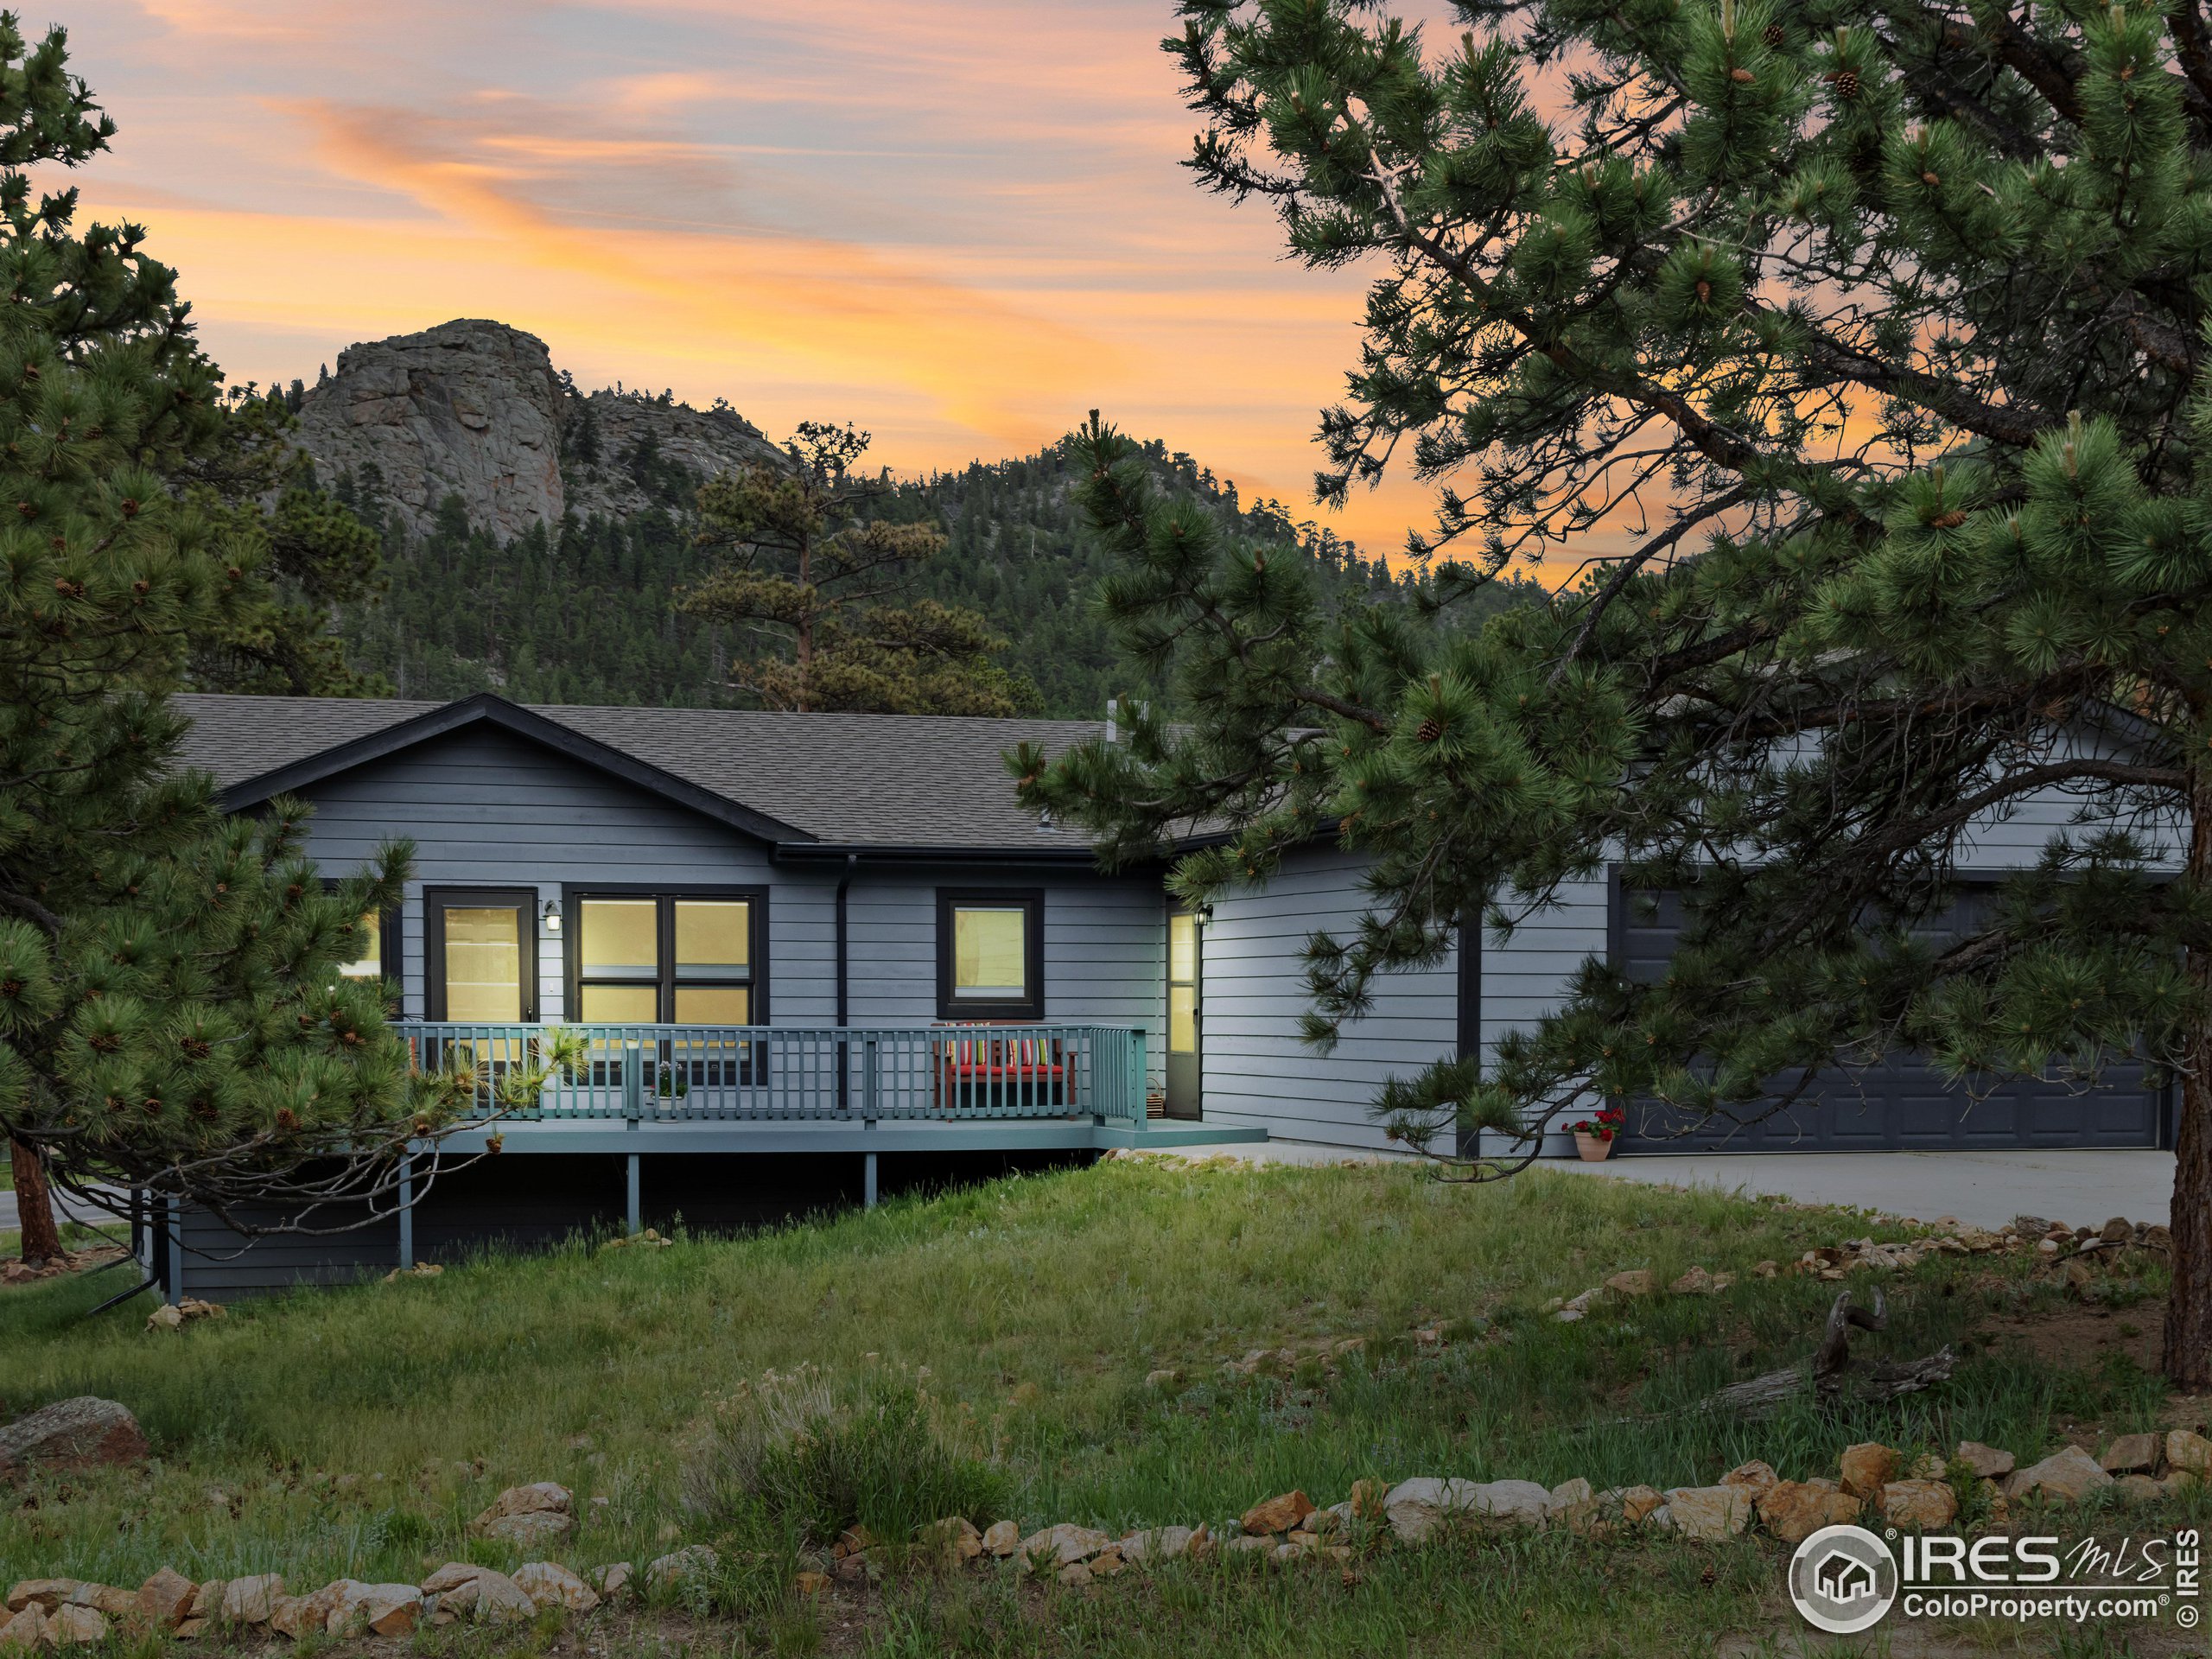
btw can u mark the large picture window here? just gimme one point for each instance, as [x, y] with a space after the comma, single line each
[990, 954]
[663, 958]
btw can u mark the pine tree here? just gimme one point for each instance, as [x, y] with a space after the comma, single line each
[1886, 325]
[171, 1015]
[804, 574]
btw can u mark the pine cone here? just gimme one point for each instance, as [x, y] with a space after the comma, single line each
[1773, 35]
[1431, 729]
[1846, 84]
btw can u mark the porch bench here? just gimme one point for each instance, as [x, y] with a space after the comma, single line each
[979, 1072]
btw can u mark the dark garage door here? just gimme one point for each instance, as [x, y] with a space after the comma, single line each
[1899, 1105]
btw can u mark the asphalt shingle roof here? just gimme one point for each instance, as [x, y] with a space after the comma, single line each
[882, 780]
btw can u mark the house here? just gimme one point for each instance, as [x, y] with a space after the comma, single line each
[826, 956]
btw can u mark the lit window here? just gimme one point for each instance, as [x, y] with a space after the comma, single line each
[989, 956]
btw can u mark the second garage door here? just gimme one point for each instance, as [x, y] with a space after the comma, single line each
[1900, 1105]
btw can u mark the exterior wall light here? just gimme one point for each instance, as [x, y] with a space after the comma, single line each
[552, 917]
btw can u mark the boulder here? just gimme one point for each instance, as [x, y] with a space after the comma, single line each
[2138, 1489]
[611, 1580]
[450, 1577]
[2118, 1231]
[1706, 1513]
[1987, 1462]
[165, 1598]
[1075, 1573]
[540, 1497]
[24, 1630]
[549, 1585]
[381, 1609]
[1795, 1509]
[1920, 1504]
[1637, 1504]
[75, 1626]
[2068, 1475]
[2131, 1454]
[2187, 1449]
[249, 1600]
[488, 1596]
[1754, 1480]
[209, 1602]
[84, 1432]
[533, 1530]
[108, 1599]
[293, 1616]
[46, 1594]
[680, 1567]
[1637, 1282]
[1571, 1500]
[1279, 1514]
[1062, 1545]
[811, 1583]
[1159, 1544]
[1867, 1468]
[1001, 1538]
[1107, 1562]
[956, 1537]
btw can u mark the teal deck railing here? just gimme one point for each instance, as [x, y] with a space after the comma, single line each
[698, 1074]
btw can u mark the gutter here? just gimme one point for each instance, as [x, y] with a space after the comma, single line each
[844, 988]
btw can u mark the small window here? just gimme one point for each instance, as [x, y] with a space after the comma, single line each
[372, 951]
[666, 959]
[990, 954]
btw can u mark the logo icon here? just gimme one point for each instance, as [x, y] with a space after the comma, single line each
[1843, 1579]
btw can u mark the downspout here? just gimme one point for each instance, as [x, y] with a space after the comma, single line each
[844, 989]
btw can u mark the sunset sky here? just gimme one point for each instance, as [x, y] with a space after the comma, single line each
[959, 223]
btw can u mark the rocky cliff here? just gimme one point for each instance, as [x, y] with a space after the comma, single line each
[475, 409]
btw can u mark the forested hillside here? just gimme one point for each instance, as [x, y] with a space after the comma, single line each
[583, 612]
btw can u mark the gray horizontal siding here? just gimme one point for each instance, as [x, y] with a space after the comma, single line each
[1257, 1072]
[485, 808]
[220, 1265]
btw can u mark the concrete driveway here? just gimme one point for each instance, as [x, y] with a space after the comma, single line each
[1986, 1188]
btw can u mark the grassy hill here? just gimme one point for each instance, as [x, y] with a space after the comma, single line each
[1028, 1322]
[583, 613]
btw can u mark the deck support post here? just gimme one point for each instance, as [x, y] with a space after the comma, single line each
[636, 1220]
[868, 1180]
[175, 1222]
[406, 1211]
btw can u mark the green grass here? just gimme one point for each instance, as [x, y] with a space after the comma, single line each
[355, 1431]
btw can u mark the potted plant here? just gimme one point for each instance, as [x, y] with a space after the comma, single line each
[1593, 1136]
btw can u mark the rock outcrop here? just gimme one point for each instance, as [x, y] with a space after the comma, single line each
[475, 409]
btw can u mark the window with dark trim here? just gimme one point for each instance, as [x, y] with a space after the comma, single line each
[374, 952]
[990, 953]
[649, 956]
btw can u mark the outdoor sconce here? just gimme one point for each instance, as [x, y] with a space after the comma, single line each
[552, 915]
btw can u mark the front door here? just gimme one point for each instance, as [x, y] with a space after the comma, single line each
[480, 949]
[1184, 1015]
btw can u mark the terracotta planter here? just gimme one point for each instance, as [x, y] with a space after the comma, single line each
[1593, 1150]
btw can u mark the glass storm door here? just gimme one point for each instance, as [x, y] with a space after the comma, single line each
[480, 951]
[1184, 1013]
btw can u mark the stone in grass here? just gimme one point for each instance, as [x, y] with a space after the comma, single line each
[955, 1538]
[1754, 1480]
[611, 1580]
[1920, 1504]
[1867, 1467]
[681, 1566]
[1062, 1545]
[1795, 1509]
[532, 1530]
[2068, 1475]
[25, 1631]
[1987, 1462]
[84, 1432]
[540, 1497]
[2138, 1489]
[249, 1600]
[1002, 1538]
[2187, 1449]
[46, 1594]
[75, 1626]
[550, 1584]
[110, 1600]
[2131, 1454]
[380, 1609]
[477, 1594]
[1279, 1514]
[1637, 1282]
[1706, 1513]
[166, 1598]
[1161, 1544]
